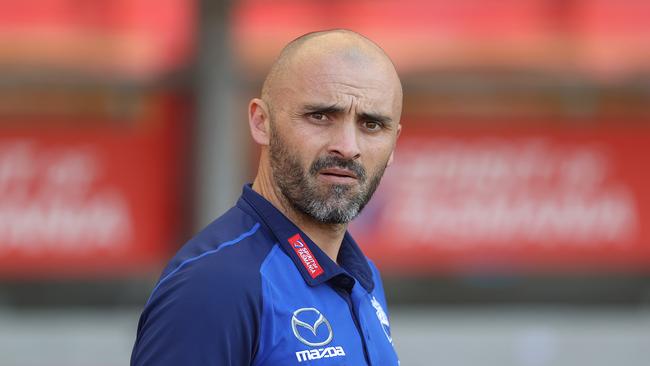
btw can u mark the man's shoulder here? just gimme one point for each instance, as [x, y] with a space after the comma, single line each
[210, 295]
[231, 247]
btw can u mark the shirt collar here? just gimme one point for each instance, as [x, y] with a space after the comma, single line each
[312, 263]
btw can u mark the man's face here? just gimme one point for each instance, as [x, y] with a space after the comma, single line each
[332, 135]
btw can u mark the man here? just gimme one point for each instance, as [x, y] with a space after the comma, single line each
[277, 280]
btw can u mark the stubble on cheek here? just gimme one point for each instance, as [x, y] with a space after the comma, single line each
[300, 187]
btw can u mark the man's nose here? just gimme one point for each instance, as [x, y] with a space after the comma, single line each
[344, 141]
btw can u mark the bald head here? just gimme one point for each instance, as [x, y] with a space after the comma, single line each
[328, 122]
[340, 49]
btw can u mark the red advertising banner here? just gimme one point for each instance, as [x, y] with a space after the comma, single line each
[504, 199]
[418, 34]
[125, 38]
[99, 198]
[603, 38]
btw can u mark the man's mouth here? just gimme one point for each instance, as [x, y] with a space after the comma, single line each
[339, 172]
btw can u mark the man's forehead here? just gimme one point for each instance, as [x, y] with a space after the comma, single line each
[344, 95]
[344, 92]
[345, 82]
[340, 87]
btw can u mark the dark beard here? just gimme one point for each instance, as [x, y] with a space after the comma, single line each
[330, 203]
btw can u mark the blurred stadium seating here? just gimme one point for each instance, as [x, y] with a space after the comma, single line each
[513, 228]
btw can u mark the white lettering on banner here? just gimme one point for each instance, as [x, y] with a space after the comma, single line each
[492, 190]
[492, 164]
[535, 219]
[47, 199]
[317, 354]
[100, 221]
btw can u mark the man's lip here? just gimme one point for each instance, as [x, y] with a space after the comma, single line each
[339, 172]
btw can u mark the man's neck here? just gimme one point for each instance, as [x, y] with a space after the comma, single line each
[328, 237]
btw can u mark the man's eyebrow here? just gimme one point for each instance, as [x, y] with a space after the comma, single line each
[323, 108]
[375, 117]
[334, 109]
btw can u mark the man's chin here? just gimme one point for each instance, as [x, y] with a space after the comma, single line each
[336, 215]
[338, 192]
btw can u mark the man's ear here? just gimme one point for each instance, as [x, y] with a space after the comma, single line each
[392, 153]
[259, 121]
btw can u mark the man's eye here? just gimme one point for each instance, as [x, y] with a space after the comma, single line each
[372, 125]
[318, 116]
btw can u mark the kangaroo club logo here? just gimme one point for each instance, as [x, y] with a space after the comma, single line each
[383, 318]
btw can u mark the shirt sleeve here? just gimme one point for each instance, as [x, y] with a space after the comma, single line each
[202, 315]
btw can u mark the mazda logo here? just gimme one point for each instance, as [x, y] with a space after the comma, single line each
[297, 323]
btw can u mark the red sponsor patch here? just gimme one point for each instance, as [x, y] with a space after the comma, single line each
[308, 260]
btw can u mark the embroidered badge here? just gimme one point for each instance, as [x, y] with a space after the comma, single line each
[306, 257]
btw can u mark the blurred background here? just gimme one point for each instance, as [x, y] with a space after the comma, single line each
[513, 228]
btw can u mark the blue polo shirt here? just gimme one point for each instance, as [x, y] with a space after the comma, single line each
[253, 289]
